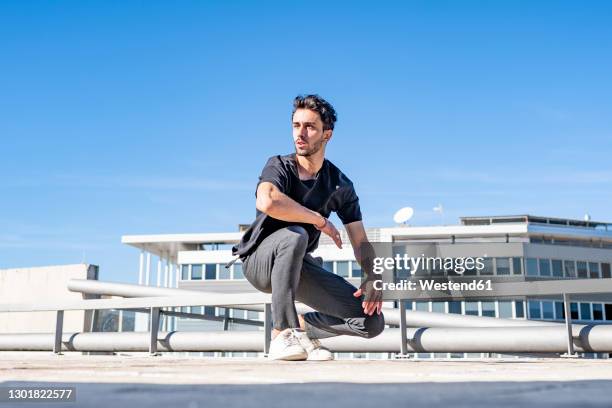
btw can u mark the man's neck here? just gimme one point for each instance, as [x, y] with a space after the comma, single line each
[309, 166]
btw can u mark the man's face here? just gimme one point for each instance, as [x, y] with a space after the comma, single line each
[308, 134]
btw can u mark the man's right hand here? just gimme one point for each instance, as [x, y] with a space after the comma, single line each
[330, 230]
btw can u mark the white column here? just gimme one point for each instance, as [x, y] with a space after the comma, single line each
[141, 267]
[148, 270]
[178, 275]
[166, 271]
[159, 266]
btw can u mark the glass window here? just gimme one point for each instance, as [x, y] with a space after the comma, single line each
[547, 310]
[196, 272]
[535, 311]
[438, 307]
[503, 266]
[342, 268]
[594, 270]
[574, 311]
[488, 266]
[505, 309]
[597, 312]
[532, 266]
[422, 306]
[185, 272]
[195, 309]
[224, 273]
[557, 268]
[328, 266]
[252, 315]
[454, 306]
[471, 308]
[544, 267]
[517, 266]
[488, 309]
[211, 271]
[209, 310]
[129, 320]
[356, 272]
[608, 309]
[519, 309]
[582, 269]
[585, 311]
[570, 269]
[238, 274]
[605, 270]
[559, 311]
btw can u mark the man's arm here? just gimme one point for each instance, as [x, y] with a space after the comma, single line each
[276, 204]
[364, 253]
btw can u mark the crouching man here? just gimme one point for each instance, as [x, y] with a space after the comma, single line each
[296, 194]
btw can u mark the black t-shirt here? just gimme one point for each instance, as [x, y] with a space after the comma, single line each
[330, 191]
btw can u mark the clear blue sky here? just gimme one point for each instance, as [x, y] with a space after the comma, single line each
[156, 117]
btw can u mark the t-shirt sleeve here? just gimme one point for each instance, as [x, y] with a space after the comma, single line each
[349, 210]
[274, 172]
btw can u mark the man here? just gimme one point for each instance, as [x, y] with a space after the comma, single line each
[296, 194]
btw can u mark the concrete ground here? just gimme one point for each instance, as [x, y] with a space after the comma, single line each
[142, 381]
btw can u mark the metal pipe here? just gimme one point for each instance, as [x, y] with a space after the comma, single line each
[392, 316]
[437, 340]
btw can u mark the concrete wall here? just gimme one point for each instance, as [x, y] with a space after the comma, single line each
[47, 283]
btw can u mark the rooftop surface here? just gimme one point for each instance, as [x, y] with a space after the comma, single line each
[143, 381]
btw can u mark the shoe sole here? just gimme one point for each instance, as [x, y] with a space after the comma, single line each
[290, 357]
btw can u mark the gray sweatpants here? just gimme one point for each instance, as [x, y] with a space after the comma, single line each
[281, 266]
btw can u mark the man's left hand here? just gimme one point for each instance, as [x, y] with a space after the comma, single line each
[372, 301]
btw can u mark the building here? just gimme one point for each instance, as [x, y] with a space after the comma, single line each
[521, 247]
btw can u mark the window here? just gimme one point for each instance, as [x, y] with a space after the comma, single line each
[342, 268]
[438, 307]
[209, 310]
[356, 270]
[505, 309]
[210, 272]
[547, 310]
[608, 309]
[605, 270]
[488, 309]
[535, 311]
[224, 273]
[585, 311]
[559, 310]
[594, 270]
[185, 272]
[471, 308]
[570, 269]
[597, 311]
[488, 266]
[503, 266]
[544, 267]
[557, 268]
[519, 309]
[238, 274]
[422, 306]
[454, 306]
[328, 266]
[582, 269]
[532, 266]
[196, 272]
[574, 311]
[517, 266]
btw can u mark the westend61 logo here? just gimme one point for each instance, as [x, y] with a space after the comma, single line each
[426, 270]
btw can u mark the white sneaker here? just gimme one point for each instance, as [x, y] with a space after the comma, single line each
[316, 352]
[286, 346]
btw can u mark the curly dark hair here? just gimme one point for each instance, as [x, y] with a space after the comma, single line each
[319, 105]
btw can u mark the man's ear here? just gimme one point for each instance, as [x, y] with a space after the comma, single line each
[327, 134]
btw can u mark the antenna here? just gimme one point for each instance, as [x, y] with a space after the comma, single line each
[403, 215]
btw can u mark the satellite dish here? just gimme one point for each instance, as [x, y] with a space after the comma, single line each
[587, 217]
[403, 215]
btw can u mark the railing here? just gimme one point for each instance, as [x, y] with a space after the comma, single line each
[443, 332]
